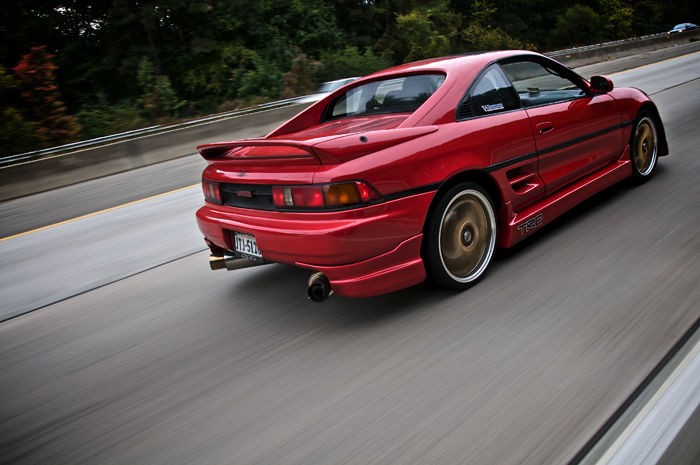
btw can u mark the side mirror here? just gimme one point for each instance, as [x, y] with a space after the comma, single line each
[601, 85]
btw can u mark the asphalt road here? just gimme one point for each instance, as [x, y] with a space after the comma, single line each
[146, 356]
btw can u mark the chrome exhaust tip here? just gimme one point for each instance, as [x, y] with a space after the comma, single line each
[229, 262]
[217, 262]
[319, 288]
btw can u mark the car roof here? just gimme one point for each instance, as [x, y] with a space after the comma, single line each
[452, 63]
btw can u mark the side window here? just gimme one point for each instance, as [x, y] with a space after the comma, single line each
[491, 93]
[537, 84]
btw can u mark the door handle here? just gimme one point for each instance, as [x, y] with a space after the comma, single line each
[544, 128]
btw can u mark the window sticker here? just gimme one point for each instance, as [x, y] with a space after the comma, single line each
[493, 107]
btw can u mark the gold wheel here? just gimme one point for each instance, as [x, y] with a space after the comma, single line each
[644, 147]
[467, 236]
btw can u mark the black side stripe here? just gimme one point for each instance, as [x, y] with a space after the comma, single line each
[578, 140]
[512, 161]
[409, 192]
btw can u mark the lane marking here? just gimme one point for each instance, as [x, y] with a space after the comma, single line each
[106, 210]
[653, 429]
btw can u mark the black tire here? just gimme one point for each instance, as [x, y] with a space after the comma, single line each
[460, 238]
[644, 147]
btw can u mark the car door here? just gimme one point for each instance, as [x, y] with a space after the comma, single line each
[492, 123]
[576, 133]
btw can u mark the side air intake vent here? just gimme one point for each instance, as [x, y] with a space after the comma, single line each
[465, 110]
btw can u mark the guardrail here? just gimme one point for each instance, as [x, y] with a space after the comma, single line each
[615, 43]
[99, 141]
[581, 56]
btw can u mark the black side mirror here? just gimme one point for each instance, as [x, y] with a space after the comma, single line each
[601, 85]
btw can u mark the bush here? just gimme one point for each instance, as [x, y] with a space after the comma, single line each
[349, 62]
[16, 134]
[102, 119]
[302, 77]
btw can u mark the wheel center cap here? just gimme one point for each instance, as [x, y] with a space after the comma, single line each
[645, 146]
[467, 236]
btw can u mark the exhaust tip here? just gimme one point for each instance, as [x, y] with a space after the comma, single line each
[217, 262]
[229, 262]
[319, 288]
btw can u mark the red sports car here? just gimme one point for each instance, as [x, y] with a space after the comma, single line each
[422, 170]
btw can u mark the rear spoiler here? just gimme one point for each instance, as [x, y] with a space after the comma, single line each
[325, 150]
[276, 149]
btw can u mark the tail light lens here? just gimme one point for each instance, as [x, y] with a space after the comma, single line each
[212, 193]
[323, 195]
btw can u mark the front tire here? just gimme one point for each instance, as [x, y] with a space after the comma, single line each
[644, 148]
[461, 237]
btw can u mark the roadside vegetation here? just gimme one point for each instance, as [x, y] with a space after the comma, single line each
[78, 69]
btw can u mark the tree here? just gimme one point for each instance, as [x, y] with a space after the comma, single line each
[158, 98]
[423, 32]
[37, 79]
[577, 25]
[301, 79]
[16, 133]
[616, 18]
[481, 34]
[350, 62]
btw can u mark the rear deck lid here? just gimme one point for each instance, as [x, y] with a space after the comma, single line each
[332, 142]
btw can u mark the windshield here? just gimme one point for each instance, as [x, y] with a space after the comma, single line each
[398, 95]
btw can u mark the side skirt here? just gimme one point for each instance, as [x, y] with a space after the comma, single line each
[516, 226]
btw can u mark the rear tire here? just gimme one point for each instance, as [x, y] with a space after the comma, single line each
[644, 147]
[461, 237]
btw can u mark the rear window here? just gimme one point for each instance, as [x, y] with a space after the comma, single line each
[399, 95]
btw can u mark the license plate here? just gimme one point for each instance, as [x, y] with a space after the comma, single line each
[246, 246]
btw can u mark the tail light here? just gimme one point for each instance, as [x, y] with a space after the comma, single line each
[317, 196]
[212, 193]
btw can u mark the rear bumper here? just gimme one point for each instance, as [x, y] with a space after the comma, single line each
[363, 251]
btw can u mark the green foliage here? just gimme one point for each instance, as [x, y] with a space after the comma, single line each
[616, 18]
[158, 98]
[301, 79]
[483, 12]
[646, 16]
[16, 133]
[577, 25]
[477, 37]
[350, 62]
[422, 32]
[102, 119]
[263, 79]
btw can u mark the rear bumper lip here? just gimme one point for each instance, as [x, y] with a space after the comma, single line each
[397, 269]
